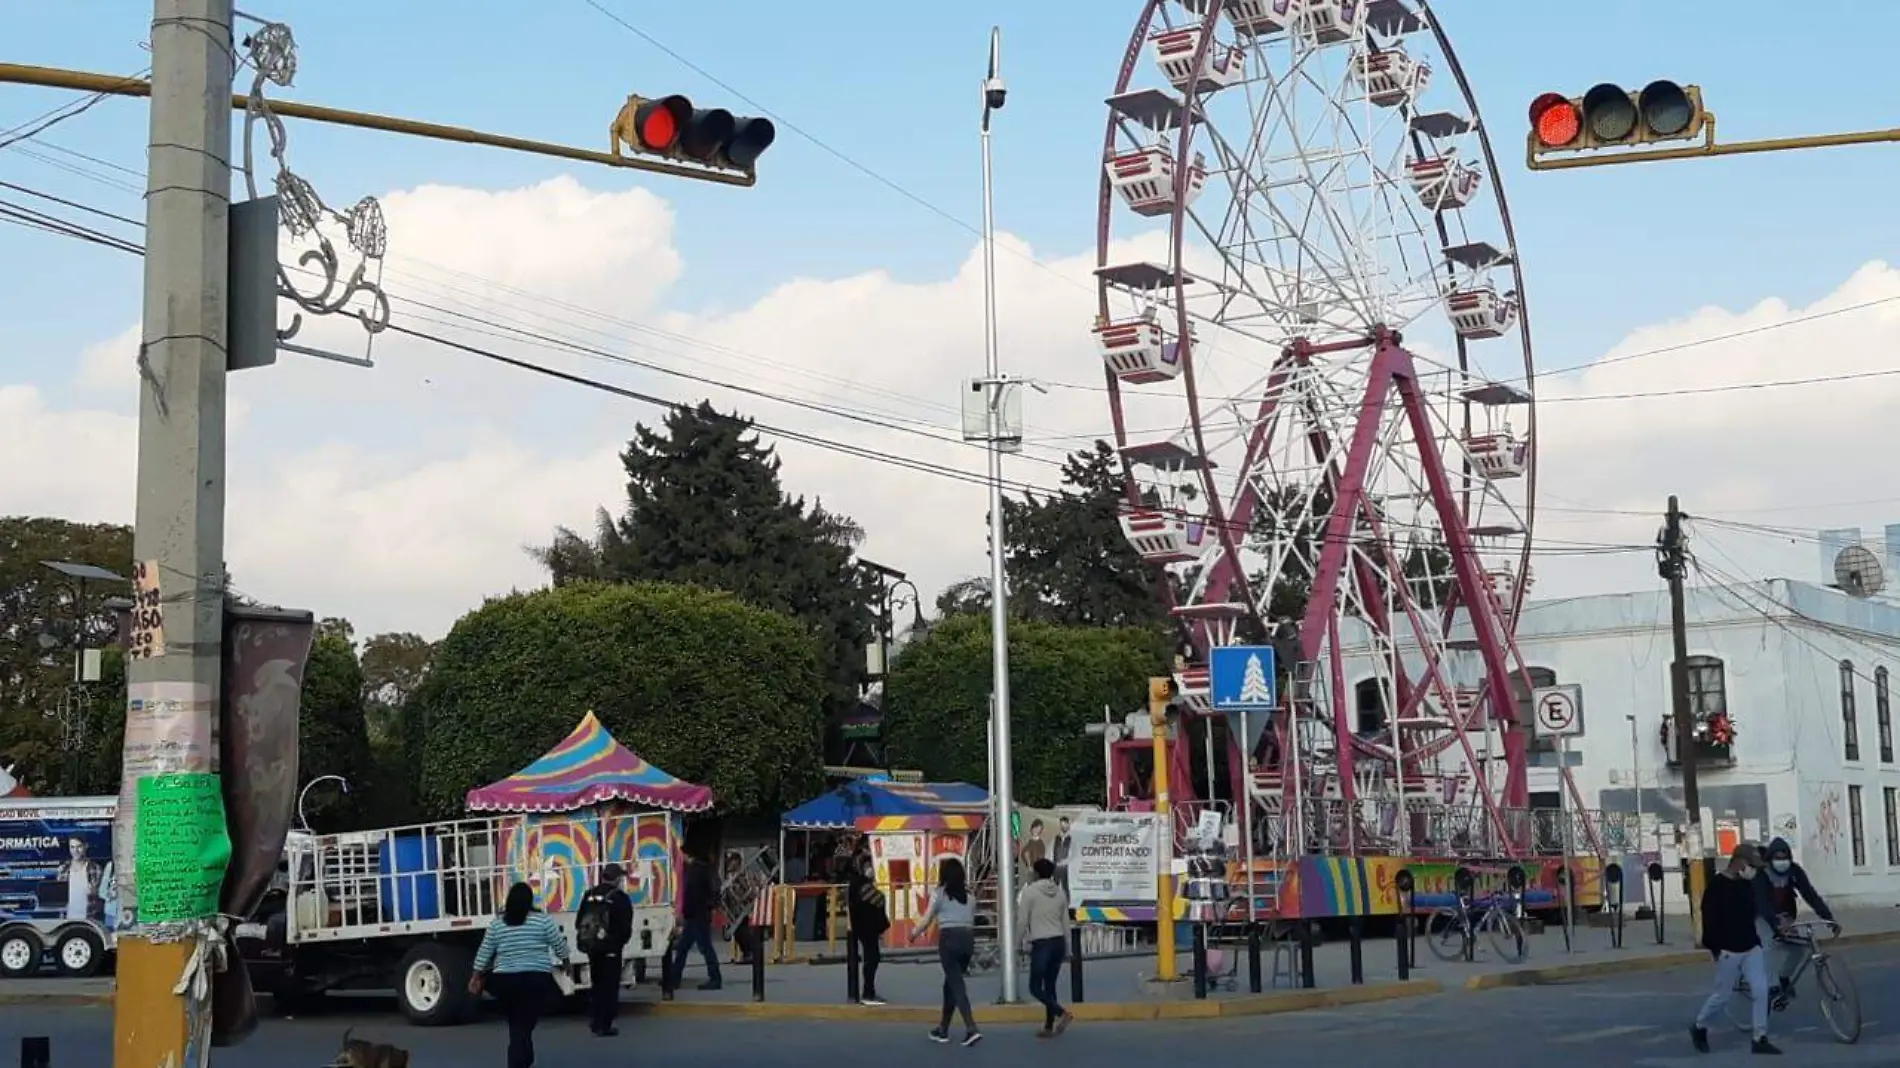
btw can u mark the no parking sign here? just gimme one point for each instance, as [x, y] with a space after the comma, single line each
[1557, 711]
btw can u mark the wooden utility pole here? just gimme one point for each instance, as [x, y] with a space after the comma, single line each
[1672, 563]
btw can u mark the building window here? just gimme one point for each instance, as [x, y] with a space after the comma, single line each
[1540, 678]
[1371, 705]
[1706, 696]
[1850, 720]
[1856, 826]
[1883, 715]
[1891, 798]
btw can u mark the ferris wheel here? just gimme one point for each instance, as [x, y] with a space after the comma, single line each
[1321, 381]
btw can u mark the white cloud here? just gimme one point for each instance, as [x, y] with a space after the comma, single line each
[400, 496]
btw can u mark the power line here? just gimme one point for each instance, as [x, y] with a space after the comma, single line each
[1714, 338]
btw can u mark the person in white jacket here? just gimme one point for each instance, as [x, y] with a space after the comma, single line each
[1042, 912]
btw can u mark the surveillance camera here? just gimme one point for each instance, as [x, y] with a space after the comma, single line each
[994, 93]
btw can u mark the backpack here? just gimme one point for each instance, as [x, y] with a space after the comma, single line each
[591, 922]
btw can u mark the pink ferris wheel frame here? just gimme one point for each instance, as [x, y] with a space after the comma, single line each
[1225, 600]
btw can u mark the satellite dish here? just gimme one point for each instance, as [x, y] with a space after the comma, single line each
[1857, 572]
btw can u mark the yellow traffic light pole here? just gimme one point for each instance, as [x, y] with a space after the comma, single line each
[1708, 148]
[114, 85]
[1160, 689]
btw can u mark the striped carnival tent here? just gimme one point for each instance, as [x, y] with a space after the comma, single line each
[588, 767]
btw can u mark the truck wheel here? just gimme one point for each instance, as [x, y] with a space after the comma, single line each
[79, 952]
[20, 951]
[432, 984]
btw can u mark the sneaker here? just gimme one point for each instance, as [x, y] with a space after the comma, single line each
[1063, 1021]
[1046, 1033]
[1699, 1038]
[712, 984]
[939, 1036]
[611, 1032]
[974, 1037]
[1762, 1045]
[873, 1001]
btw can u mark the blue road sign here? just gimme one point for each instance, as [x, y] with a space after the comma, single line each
[1240, 677]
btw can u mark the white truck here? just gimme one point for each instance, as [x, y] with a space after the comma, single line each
[404, 908]
[57, 886]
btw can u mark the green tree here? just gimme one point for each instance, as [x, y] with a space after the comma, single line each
[394, 666]
[1066, 557]
[41, 623]
[1060, 678]
[332, 734]
[705, 507]
[699, 683]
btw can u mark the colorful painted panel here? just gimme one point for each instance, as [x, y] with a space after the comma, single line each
[931, 822]
[642, 843]
[556, 855]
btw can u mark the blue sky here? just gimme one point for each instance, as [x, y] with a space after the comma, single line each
[892, 89]
[891, 86]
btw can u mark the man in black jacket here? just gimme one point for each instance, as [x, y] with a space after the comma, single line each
[605, 921]
[1728, 933]
[699, 896]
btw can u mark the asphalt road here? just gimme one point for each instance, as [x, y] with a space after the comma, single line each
[1637, 1020]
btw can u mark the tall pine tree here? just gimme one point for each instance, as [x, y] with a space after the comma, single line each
[705, 506]
[1066, 557]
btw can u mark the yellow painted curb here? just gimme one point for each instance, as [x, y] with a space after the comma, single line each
[1098, 1011]
[1658, 962]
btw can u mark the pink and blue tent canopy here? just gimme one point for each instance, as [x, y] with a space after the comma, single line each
[589, 766]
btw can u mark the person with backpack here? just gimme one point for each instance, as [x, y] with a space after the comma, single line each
[602, 928]
[864, 907]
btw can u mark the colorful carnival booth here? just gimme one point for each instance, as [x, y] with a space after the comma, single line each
[587, 802]
[906, 827]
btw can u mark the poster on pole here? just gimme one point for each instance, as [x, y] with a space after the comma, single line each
[1112, 858]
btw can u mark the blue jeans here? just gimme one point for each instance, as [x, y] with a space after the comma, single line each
[692, 933]
[1045, 964]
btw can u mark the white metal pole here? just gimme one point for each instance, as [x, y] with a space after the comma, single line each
[1108, 759]
[1002, 781]
[1636, 786]
[1246, 810]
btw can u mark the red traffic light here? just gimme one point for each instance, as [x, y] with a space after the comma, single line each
[1555, 120]
[657, 123]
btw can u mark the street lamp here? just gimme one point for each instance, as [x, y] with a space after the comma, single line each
[1002, 788]
[878, 655]
[342, 783]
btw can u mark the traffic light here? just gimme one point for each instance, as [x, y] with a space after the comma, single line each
[672, 126]
[1609, 116]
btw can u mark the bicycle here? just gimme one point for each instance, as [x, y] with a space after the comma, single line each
[1452, 931]
[1840, 1002]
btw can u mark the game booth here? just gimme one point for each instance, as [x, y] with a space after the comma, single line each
[587, 802]
[906, 827]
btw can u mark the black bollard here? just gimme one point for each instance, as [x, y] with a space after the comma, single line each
[1200, 962]
[851, 993]
[1613, 883]
[1565, 903]
[1465, 883]
[1655, 874]
[1307, 979]
[1402, 931]
[1253, 958]
[1075, 965]
[36, 1051]
[1355, 931]
[758, 976]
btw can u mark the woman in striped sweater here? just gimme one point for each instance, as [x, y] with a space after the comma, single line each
[516, 963]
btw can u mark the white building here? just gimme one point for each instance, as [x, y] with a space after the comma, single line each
[1803, 672]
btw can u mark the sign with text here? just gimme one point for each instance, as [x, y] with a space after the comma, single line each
[1112, 857]
[182, 847]
[147, 638]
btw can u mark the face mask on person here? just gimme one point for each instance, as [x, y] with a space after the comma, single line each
[1781, 865]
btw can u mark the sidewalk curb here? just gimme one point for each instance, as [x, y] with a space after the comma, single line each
[103, 997]
[1096, 1011]
[1559, 973]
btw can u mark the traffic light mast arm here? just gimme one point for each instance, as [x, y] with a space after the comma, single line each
[1708, 147]
[88, 82]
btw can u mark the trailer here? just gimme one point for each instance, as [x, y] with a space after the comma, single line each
[58, 887]
[404, 908]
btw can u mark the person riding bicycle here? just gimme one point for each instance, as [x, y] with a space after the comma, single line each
[1779, 887]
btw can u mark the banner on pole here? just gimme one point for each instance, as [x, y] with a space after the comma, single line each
[1112, 858]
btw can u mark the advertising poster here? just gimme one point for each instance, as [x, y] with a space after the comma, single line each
[1112, 858]
[56, 864]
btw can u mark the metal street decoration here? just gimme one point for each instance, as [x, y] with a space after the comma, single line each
[273, 55]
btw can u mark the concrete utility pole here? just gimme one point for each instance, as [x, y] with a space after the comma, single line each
[179, 532]
[1672, 562]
